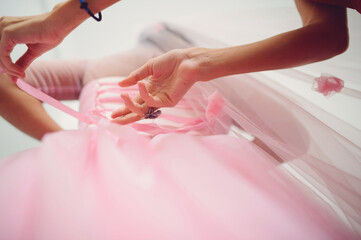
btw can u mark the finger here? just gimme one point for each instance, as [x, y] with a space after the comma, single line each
[13, 78]
[28, 57]
[123, 110]
[137, 75]
[10, 73]
[129, 118]
[134, 107]
[152, 101]
[10, 68]
[6, 47]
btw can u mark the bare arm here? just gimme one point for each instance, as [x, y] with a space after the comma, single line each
[324, 34]
[61, 79]
[41, 33]
[24, 111]
[343, 3]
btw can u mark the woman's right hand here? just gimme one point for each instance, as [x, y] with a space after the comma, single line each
[167, 78]
[37, 32]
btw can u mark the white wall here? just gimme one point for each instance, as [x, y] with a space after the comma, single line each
[119, 31]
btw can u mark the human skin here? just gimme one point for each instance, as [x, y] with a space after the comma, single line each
[41, 33]
[345, 3]
[27, 113]
[24, 111]
[324, 34]
[166, 88]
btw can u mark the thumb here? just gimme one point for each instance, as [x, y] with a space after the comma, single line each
[137, 75]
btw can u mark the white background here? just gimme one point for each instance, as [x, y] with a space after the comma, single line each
[120, 28]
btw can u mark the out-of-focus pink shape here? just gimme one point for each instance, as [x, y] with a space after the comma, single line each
[1, 70]
[215, 105]
[327, 84]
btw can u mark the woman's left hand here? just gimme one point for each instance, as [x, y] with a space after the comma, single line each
[37, 32]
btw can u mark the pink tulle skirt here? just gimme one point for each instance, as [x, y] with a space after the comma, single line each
[110, 182]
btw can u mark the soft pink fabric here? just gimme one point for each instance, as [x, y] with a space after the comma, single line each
[108, 181]
[321, 150]
[148, 181]
[100, 98]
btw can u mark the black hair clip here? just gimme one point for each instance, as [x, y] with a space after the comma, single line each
[84, 5]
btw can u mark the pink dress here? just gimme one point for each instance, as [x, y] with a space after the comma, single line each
[192, 173]
[181, 176]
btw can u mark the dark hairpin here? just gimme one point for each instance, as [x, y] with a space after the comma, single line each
[152, 114]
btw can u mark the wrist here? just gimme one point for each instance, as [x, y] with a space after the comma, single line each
[66, 16]
[202, 60]
[210, 63]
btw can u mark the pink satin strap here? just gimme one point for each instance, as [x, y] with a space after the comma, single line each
[215, 104]
[51, 101]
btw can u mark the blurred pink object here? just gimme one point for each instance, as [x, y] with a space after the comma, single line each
[327, 84]
[1, 70]
[215, 107]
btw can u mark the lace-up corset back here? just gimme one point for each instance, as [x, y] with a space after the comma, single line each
[100, 98]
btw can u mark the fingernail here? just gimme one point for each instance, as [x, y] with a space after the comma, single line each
[121, 82]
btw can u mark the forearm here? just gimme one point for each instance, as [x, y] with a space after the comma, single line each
[24, 111]
[67, 15]
[306, 45]
[344, 3]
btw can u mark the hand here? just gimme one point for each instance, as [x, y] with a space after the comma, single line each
[37, 32]
[171, 76]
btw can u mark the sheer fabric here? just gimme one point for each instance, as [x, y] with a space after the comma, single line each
[321, 149]
[152, 186]
[179, 176]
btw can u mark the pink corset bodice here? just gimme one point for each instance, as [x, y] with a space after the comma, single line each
[100, 98]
